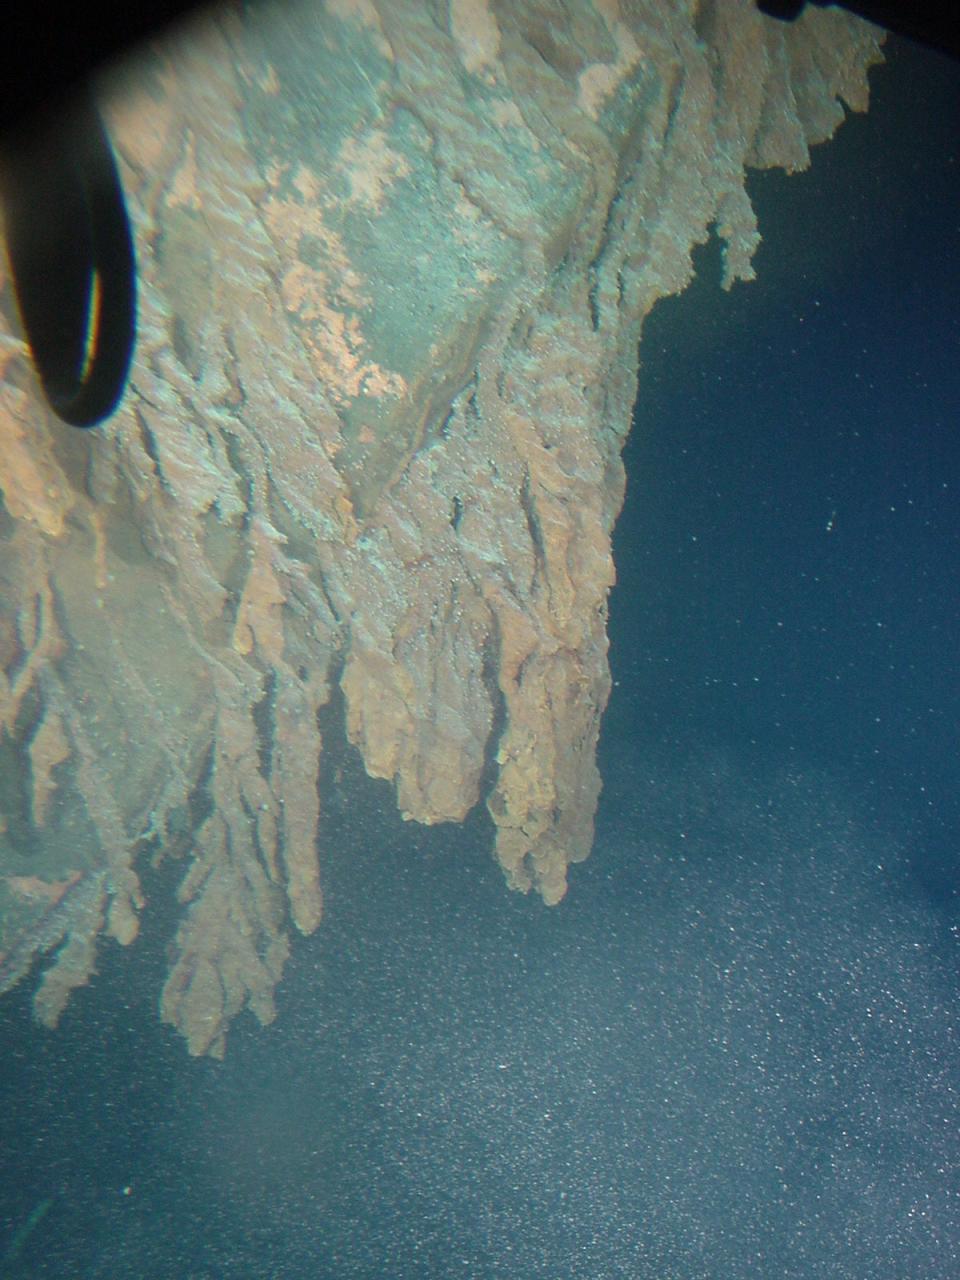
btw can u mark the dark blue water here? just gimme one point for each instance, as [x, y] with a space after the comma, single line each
[732, 1052]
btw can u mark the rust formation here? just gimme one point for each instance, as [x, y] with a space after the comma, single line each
[395, 260]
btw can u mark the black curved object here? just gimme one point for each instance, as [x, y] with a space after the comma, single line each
[45, 56]
[71, 256]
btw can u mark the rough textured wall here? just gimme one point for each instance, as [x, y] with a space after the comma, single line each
[395, 259]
